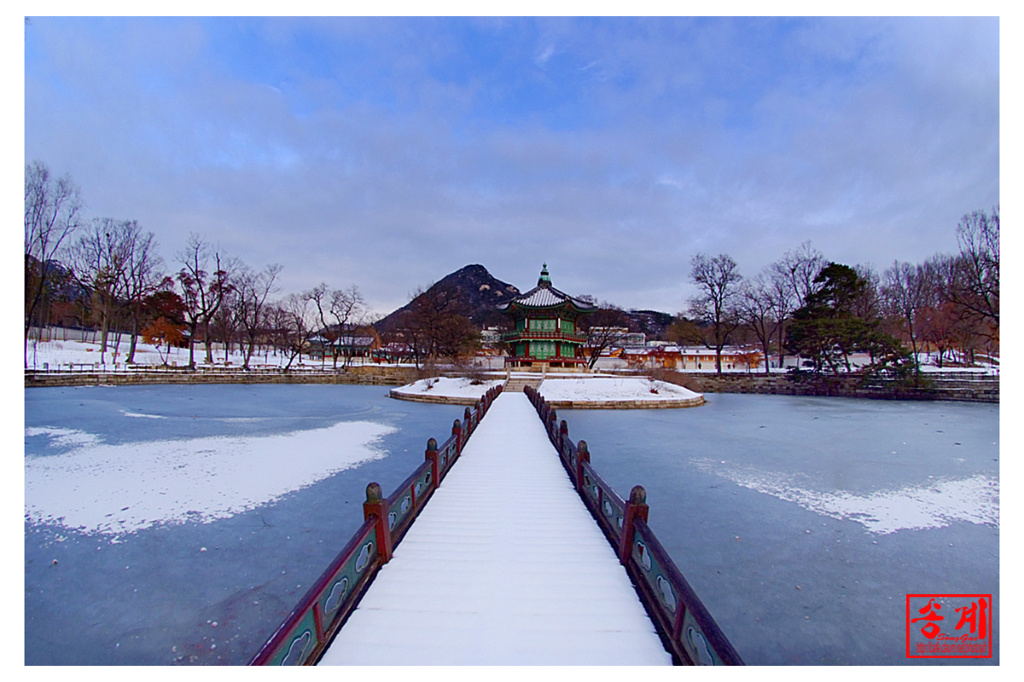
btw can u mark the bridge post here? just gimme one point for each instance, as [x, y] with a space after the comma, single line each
[376, 506]
[435, 467]
[636, 508]
[582, 455]
[563, 436]
[467, 421]
[457, 432]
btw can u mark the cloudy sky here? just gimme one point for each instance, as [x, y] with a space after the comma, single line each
[389, 152]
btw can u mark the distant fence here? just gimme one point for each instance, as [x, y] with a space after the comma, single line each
[308, 630]
[690, 633]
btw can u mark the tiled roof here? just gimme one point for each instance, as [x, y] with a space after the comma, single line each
[546, 297]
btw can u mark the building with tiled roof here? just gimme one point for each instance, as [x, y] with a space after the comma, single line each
[546, 328]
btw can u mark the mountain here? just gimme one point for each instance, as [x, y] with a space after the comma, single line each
[650, 322]
[477, 293]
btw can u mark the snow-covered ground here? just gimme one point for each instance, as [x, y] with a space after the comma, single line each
[605, 388]
[79, 355]
[449, 387]
[580, 389]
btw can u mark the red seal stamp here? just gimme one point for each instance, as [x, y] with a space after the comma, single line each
[949, 625]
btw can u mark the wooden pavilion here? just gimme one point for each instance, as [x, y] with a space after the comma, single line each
[546, 329]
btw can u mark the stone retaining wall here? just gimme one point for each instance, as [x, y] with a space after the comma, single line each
[436, 399]
[624, 404]
[974, 390]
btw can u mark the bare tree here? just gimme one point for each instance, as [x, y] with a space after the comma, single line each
[348, 308]
[907, 292]
[975, 281]
[435, 326]
[318, 296]
[203, 289]
[143, 277]
[101, 261]
[716, 279]
[52, 214]
[757, 310]
[603, 328]
[252, 290]
[345, 307]
[293, 323]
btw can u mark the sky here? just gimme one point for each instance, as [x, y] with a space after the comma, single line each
[388, 152]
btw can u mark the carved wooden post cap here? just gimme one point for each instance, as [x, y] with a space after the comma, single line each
[581, 450]
[638, 495]
[466, 414]
[374, 493]
[564, 428]
[431, 444]
[457, 426]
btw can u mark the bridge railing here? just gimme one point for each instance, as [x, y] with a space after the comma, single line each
[308, 629]
[685, 625]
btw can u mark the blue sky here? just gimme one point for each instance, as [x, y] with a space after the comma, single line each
[388, 152]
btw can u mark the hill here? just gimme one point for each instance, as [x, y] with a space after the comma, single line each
[477, 292]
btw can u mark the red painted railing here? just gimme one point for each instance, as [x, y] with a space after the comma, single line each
[690, 633]
[308, 630]
[527, 334]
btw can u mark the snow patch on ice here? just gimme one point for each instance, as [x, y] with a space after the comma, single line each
[116, 489]
[142, 416]
[62, 438]
[933, 505]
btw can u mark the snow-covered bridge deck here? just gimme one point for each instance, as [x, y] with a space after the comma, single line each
[505, 566]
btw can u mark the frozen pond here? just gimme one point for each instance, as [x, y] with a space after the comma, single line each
[145, 544]
[801, 522]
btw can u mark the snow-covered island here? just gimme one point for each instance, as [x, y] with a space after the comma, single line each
[565, 391]
[448, 390]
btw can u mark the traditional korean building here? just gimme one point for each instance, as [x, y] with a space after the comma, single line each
[546, 329]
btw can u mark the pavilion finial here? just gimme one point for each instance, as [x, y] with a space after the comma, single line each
[545, 279]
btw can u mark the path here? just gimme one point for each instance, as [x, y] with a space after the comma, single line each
[504, 566]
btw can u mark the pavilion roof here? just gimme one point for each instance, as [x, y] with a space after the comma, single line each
[546, 296]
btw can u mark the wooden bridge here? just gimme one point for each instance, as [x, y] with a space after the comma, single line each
[513, 562]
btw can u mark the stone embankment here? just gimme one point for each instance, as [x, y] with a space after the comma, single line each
[369, 375]
[625, 404]
[935, 385]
